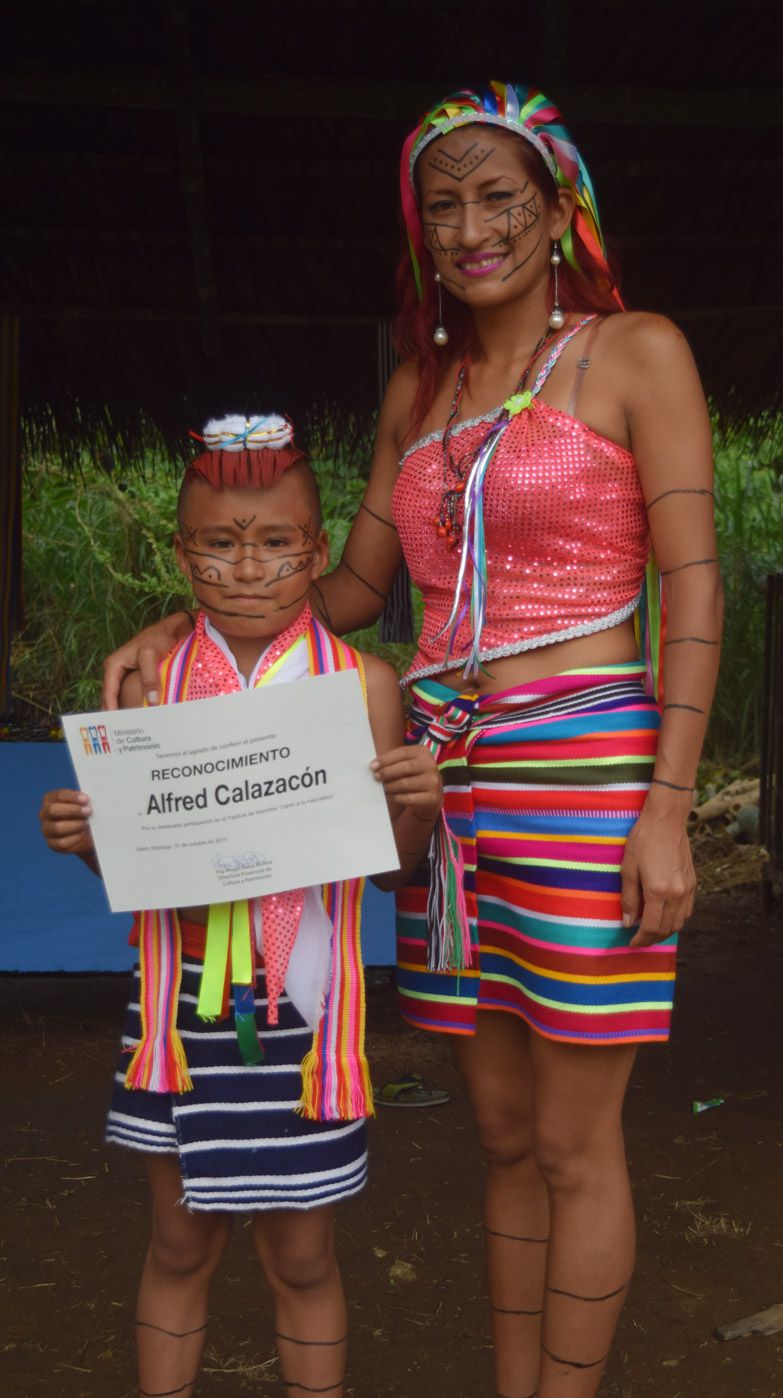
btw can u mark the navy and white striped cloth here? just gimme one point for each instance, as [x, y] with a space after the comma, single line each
[240, 1142]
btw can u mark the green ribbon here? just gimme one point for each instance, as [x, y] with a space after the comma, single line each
[242, 970]
[213, 975]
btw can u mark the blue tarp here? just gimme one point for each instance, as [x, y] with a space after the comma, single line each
[53, 912]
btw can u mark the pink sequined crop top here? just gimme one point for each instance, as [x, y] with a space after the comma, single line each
[566, 536]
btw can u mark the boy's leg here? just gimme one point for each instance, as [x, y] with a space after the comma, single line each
[296, 1249]
[171, 1312]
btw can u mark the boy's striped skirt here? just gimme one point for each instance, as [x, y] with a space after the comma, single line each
[542, 786]
[240, 1143]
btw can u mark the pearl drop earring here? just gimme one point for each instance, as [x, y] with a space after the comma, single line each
[440, 334]
[557, 314]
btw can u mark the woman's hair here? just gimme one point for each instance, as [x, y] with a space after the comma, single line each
[588, 277]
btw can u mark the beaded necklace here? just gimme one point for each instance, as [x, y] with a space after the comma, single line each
[448, 525]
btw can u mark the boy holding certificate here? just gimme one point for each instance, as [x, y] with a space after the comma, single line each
[247, 1035]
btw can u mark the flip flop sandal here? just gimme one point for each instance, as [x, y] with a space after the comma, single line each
[410, 1091]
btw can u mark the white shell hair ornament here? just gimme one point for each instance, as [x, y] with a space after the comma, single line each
[240, 433]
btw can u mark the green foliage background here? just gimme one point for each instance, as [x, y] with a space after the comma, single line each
[98, 566]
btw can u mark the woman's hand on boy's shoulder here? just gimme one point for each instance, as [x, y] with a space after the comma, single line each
[142, 656]
[132, 690]
[64, 817]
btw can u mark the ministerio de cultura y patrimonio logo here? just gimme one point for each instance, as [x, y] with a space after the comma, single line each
[95, 739]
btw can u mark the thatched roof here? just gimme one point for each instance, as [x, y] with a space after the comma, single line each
[203, 211]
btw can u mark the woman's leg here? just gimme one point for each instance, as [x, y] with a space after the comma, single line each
[171, 1312]
[496, 1066]
[296, 1249]
[578, 1142]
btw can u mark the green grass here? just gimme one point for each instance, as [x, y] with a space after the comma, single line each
[98, 566]
[749, 518]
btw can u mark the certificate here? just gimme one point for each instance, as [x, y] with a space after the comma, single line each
[232, 797]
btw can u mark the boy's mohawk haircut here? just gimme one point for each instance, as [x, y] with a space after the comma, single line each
[240, 451]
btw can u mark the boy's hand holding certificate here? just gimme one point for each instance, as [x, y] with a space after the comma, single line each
[233, 797]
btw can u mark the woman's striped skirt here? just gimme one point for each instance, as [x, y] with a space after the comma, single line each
[542, 784]
[240, 1143]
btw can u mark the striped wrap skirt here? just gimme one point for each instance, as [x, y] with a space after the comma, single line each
[542, 784]
[240, 1142]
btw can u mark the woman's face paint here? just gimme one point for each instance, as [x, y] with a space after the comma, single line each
[251, 555]
[484, 219]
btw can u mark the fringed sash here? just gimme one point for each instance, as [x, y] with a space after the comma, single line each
[335, 1075]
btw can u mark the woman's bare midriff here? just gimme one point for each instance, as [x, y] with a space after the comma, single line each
[613, 647]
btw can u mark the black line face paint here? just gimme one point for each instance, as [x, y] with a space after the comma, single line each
[519, 265]
[484, 172]
[233, 556]
[458, 164]
[269, 572]
[520, 217]
[250, 555]
[208, 574]
[434, 234]
[286, 606]
[288, 568]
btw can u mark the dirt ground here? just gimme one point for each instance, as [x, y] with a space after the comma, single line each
[708, 1192]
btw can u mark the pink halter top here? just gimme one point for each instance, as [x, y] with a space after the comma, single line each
[565, 533]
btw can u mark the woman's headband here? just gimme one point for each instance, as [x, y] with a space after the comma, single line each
[527, 113]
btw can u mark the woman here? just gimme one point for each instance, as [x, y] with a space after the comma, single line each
[536, 440]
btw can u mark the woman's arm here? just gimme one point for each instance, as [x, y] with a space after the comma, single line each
[352, 595]
[142, 655]
[672, 443]
[409, 774]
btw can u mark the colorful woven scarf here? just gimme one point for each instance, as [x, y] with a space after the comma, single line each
[527, 113]
[335, 1075]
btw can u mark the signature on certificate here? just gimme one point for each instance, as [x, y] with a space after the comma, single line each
[232, 863]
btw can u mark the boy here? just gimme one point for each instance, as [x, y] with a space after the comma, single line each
[251, 544]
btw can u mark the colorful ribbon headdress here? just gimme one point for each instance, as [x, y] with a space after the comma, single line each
[527, 113]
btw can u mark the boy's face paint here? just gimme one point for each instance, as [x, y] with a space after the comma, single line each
[484, 219]
[251, 555]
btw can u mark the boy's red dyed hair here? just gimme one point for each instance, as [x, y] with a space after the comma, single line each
[258, 469]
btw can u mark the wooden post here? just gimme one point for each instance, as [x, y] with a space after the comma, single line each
[396, 619]
[771, 799]
[10, 501]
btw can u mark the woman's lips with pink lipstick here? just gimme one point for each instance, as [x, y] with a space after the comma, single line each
[480, 264]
